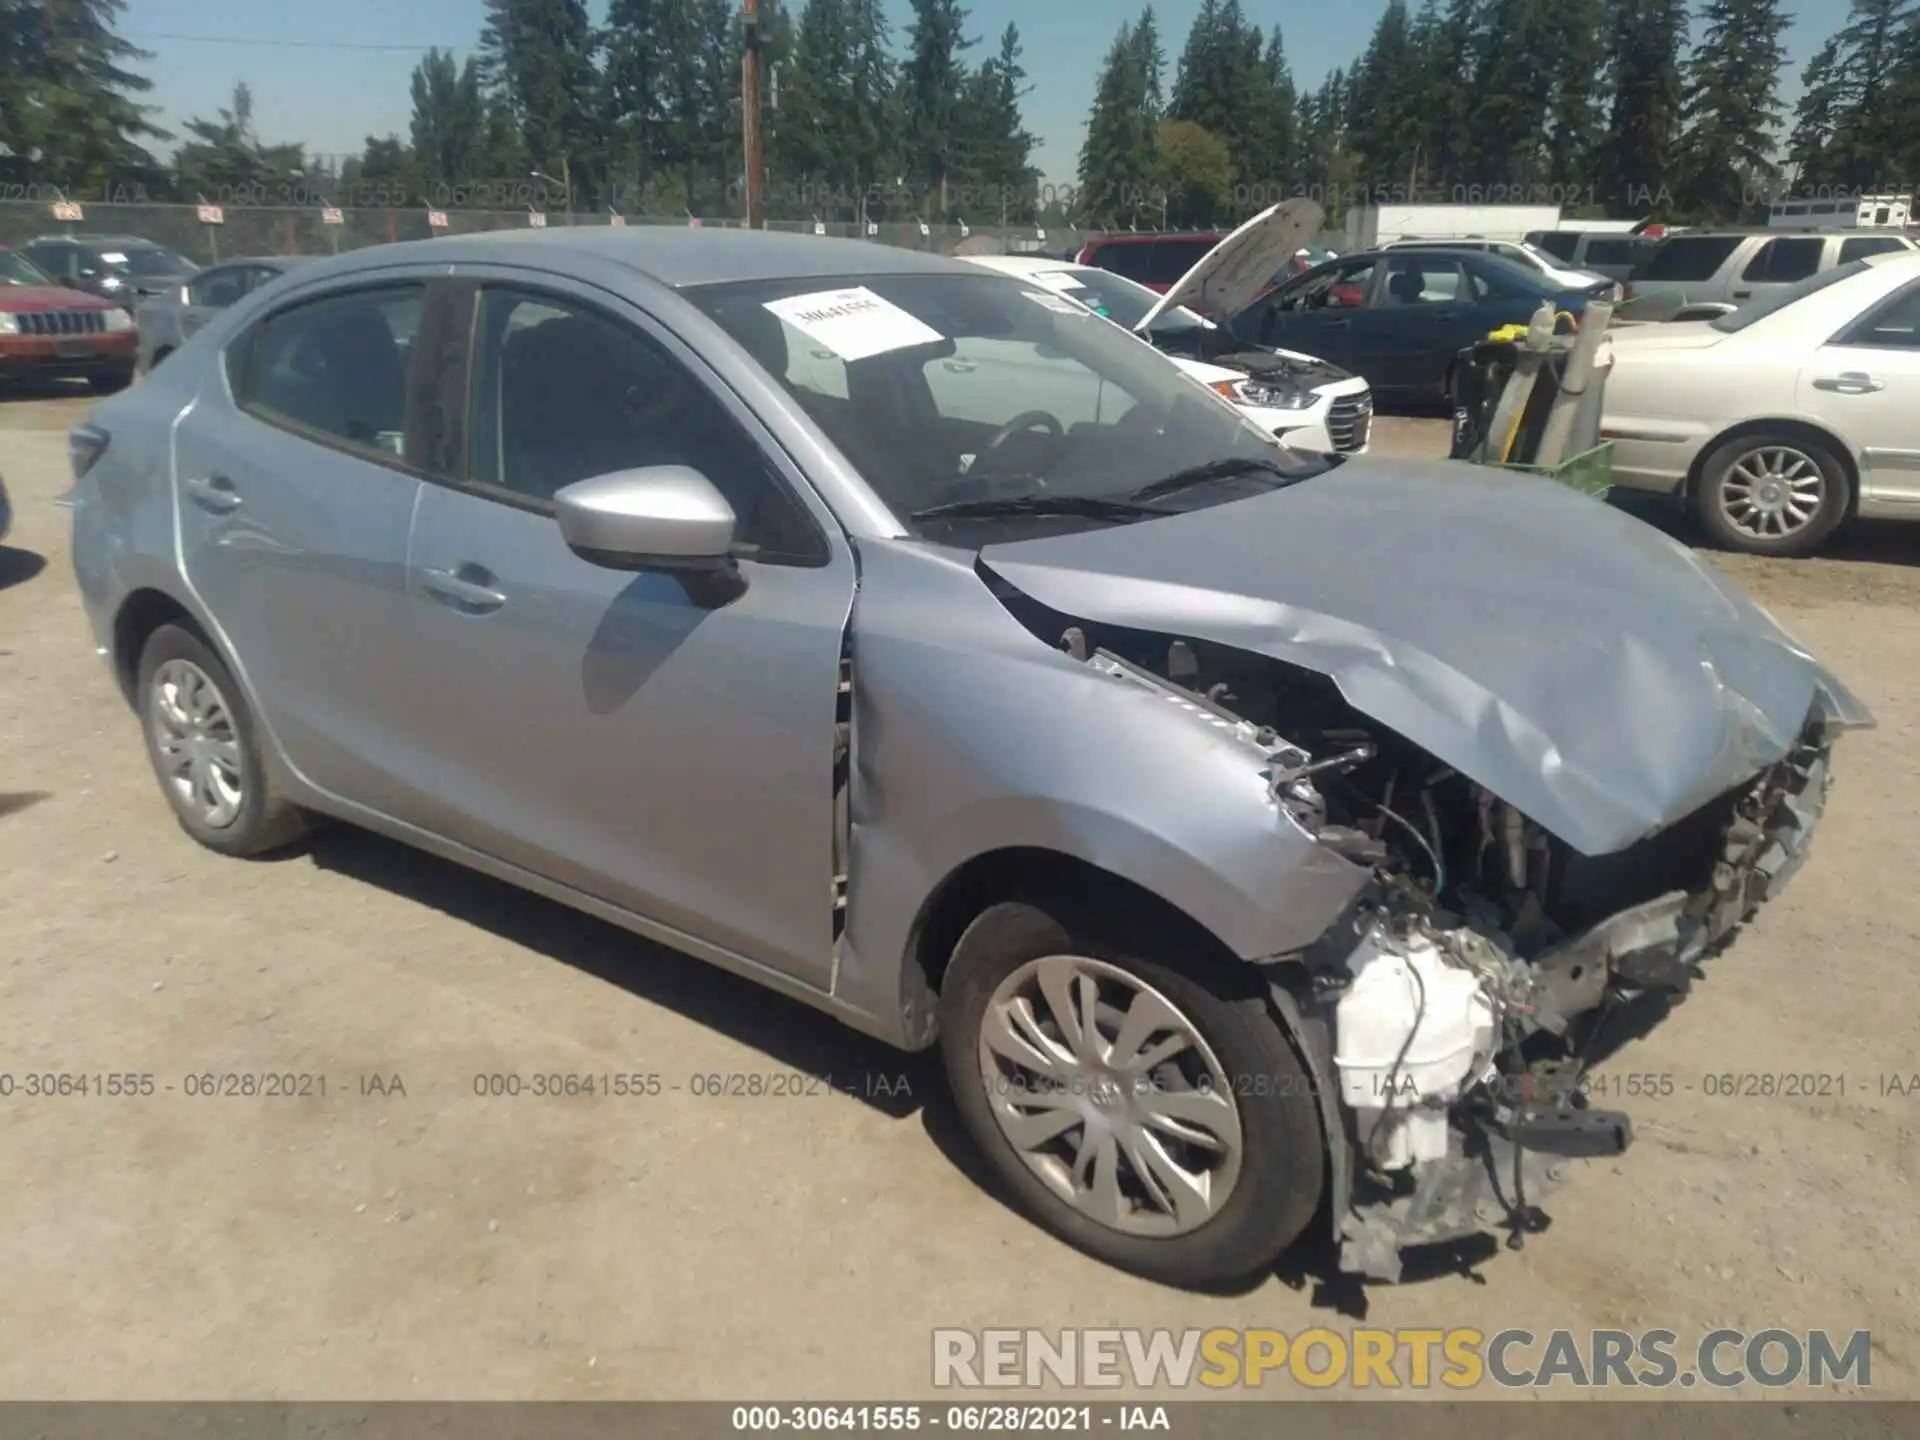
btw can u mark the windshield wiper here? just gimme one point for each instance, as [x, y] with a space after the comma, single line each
[1090, 507]
[1223, 469]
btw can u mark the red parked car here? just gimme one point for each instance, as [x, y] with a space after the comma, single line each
[48, 330]
[1155, 261]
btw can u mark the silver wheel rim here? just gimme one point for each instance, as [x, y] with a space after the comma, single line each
[1111, 1096]
[1772, 492]
[194, 745]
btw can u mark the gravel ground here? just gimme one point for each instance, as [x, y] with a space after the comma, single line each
[437, 1244]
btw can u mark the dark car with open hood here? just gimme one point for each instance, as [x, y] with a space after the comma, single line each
[1260, 837]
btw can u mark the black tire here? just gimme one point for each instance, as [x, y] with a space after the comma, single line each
[1283, 1165]
[1836, 496]
[264, 820]
[111, 381]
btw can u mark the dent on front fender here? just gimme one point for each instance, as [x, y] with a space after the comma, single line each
[972, 736]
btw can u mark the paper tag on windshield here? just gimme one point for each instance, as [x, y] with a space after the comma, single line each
[113, 257]
[1054, 302]
[1062, 280]
[855, 323]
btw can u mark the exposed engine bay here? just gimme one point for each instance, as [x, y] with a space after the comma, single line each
[1455, 1007]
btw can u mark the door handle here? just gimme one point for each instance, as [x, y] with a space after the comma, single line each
[463, 588]
[1340, 324]
[960, 367]
[1850, 383]
[1743, 294]
[212, 492]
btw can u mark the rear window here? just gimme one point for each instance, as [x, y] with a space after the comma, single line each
[1689, 257]
[1869, 245]
[1610, 251]
[1173, 258]
[1128, 258]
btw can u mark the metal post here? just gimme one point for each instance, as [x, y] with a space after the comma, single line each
[566, 184]
[750, 112]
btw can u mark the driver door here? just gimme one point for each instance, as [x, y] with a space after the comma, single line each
[1313, 314]
[604, 728]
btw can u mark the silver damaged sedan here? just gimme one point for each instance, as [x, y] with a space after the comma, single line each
[1266, 842]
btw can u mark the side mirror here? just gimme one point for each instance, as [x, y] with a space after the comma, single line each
[658, 517]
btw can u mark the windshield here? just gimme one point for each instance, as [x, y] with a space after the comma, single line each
[953, 390]
[145, 260]
[1774, 301]
[16, 269]
[1118, 298]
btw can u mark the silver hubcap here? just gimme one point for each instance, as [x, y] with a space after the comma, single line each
[194, 744]
[1110, 1095]
[1772, 492]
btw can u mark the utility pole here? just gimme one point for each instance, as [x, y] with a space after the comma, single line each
[750, 109]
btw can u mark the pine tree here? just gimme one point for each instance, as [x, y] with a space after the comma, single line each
[1871, 130]
[1817, 115]
[449, 118]
[1644, 86]
[631, 94]
[226, 154]
[1383, 122]
[998, 146]
[1271, 140]
[540, 54]
[1575, 120]
[1514, 67]
[1451, 80]
[1733, 80]
[69, 106]
[933, 80]
[1118, 157]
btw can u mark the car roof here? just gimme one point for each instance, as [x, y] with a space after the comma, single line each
[1025, 264]
[1894, 257]
[1742, 231]
[1214, 236]
[121, 240]
[262, 260]
[673, 255]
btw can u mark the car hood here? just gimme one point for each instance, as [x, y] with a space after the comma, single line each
[48, 297]
[1227, 277]
[1570, 658]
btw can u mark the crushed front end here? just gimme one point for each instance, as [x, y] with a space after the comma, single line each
[1451, 1013]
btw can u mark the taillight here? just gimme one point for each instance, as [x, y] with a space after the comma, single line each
[85, 445]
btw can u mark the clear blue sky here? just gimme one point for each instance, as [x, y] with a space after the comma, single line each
[330, 99]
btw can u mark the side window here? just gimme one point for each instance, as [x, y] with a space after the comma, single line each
[1422, 280]
[1558, 243]
[1892, 325]
[1781, 262]
[1862, 246]
[219, 287]
[1607, 250]
[1344, 287]
[337, 367]
[562, 392]
[1174, 258]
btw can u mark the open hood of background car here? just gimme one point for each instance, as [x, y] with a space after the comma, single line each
[1228, 277]
[1568, 657]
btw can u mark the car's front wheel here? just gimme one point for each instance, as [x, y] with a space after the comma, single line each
[1772, 493]
[205, 751]
[1160, 1121]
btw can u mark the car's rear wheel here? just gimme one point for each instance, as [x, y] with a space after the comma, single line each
[1772, 492]
[205, 750]
[1155, 1119]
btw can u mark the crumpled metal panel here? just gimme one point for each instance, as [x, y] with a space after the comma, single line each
[970, 736]
[1572, 659]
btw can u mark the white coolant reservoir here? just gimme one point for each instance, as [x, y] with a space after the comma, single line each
[1403, 988]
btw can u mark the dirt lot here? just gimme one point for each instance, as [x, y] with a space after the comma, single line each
[439, 1244]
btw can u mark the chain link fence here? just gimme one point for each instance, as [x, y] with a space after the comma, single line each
[311, 231]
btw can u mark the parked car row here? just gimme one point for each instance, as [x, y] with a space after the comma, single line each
[1258, 836]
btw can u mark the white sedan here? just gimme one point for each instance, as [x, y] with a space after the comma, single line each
[1779, 421]
[1305, 402]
